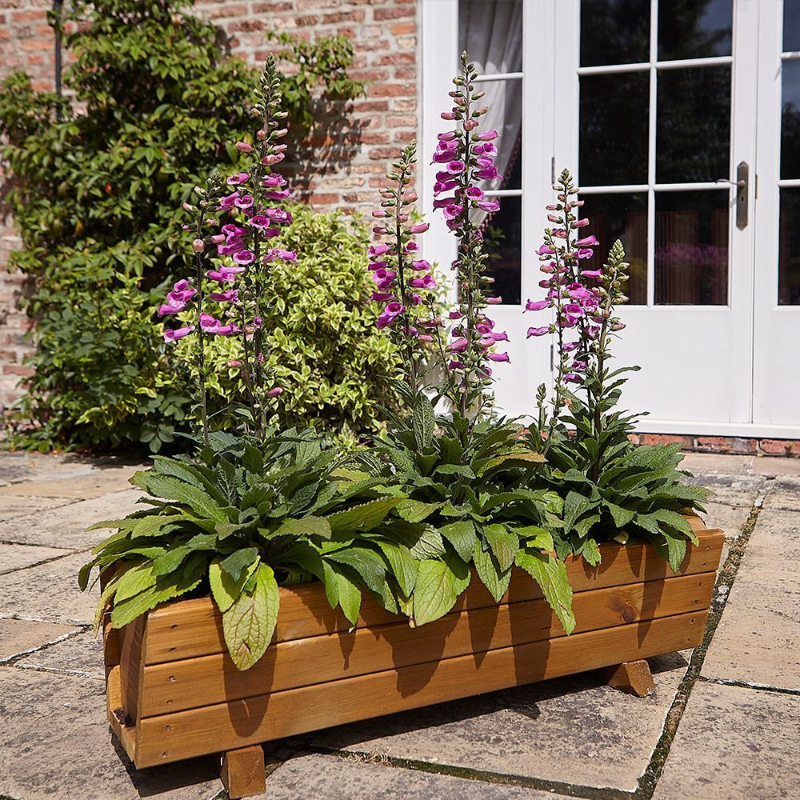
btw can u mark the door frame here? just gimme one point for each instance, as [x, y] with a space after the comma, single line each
[545, 146]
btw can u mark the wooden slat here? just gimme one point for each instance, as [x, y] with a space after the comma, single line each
[126, 734]
[193, 628]
[631, 676]
[195, 682]
[240, 723]
[132, 655]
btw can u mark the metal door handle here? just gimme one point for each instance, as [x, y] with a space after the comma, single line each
[742, 196]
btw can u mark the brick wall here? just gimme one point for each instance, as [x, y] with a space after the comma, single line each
[343, 167]
[735, 445]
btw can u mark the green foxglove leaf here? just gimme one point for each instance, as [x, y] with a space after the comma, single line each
[591, 552]
[462, 536]
[423, 422]
[455, 469]
[510, 460]
[535, 538]
[676, 551]
[416, 511]
[249, 624]
[551, 575]
[166, 588]
[493, 578]
[436, 591]
[429, 544]
[136, 580]
[363, 517]
[171, 488]
[676, 521]
[224, 588]
[621, 516]
[305, 526]
[503, 544]
[238, 561]
[367, 563]
[575, 506]
[403, 565]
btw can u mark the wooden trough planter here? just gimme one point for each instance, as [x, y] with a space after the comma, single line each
[174, 693]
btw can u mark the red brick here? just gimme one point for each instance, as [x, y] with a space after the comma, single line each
[392, 13]
[727, 444]
[403, 28]
[388, 90]
[774, 447]
[686, 442]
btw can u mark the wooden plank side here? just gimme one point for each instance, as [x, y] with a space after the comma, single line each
[193, 628]
[207, 680]
[126, 734]
[240, 723]
[132, 654]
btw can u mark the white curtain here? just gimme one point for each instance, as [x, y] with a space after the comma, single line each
[491, 33]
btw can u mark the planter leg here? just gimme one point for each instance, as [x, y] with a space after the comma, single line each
[631, 676]
[242, 772]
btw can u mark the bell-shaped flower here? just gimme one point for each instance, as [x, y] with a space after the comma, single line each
[173, 334]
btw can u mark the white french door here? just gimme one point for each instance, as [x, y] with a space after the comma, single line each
[681, 121]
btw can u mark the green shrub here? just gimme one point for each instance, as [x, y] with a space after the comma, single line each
[335, 367]
[96, 197]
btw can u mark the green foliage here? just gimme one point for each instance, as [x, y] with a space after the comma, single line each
[470, 499]
[96, 196]
[324, 350]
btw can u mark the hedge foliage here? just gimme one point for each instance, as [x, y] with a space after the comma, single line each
[96, 188]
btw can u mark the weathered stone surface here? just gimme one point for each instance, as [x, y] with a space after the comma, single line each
[571, 730]
[56, 743]
[49, 592]
[332, 778]
[78, 655]
[17, 556]
[19, 506]
[66, 526]
[758, 638]
[19, 635]
[784, 494]
[776, 466]
[22, 467]
[729, 518]
[82, 486]
[734, 743]
[730, 489]
[715, 462]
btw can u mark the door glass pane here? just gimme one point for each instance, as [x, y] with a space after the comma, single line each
[791, 26]
[502, 233]
[491, 32]
[693, 128]
[691, 266]
[790, 129]
[615, 32]
[621, 216]
[789, 249]
[694, 28]
[614, 110]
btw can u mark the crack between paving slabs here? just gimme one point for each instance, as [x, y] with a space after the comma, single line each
[758, 687]
[480, 776]
[722, 589]
[10, 661]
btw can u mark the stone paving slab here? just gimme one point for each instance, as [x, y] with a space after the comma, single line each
[49, 592]
[784, 494]
[758, 638]
[66, 526]
[729, 518]
[78, 487]
[734, 743]
[571, 730]
[333, 778]
[730, 489]
[78, 655]
[20, 635]
[17, 556]
[19, 467]
[19, 506]
[56, 744]
[716, 462]
[776, 466]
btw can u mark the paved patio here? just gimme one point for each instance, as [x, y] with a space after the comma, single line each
[722, 724]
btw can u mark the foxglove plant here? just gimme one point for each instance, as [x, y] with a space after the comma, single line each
[404, 285]
[466, 156]
[240, 271]
[608, 484]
